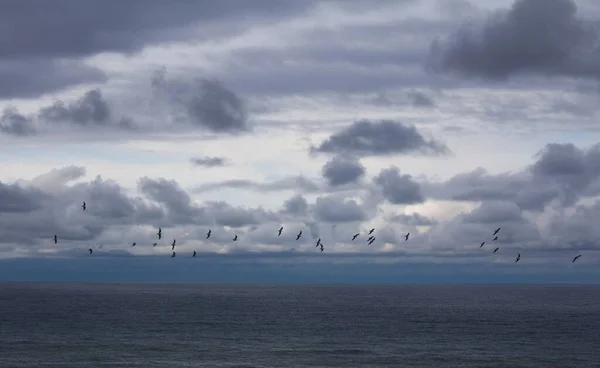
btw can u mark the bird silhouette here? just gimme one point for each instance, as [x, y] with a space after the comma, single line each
[55, 239]
[280, 230]
[173, 245]
[321, 247]
[496, 238]
[299, 235]
[406, 236]
[518, 257]
[155, 244]
[496, 231]
[371, 231]
[235, 237]
[83, 206]
[208, 233]
[482, 243]
[194, 255]
[576, 258]
[90, 250]
[495, 250]
[133, 245]
[173, 255]
[159, 233]
[371, 241]
[355, 236]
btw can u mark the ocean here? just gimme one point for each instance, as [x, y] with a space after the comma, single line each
[196, 325]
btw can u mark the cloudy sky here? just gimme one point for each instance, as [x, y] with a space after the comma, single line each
[443, 118]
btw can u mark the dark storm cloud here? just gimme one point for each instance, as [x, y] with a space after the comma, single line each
[296, 205]
[208, 161]
[74, 29]
[397, 188]
[14, 198]
[13, 123]
[380, 138]
[46, 40]
[90, 110]
[533, 36]
[204, 103]
[31, 78]
[561, 174]
[340, 170]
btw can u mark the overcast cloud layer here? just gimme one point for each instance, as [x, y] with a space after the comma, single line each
[442, 119]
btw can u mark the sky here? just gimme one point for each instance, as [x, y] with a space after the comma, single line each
[445, 119]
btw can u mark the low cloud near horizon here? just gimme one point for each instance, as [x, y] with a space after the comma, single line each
[445, 119]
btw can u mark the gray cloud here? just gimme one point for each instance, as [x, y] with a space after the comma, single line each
[31, 78]
[562, 174]
[204, 103]
[13, 123]
[340, 170]
[296, 205]
[334, 209]
[397, 188]
[535, 36]
[379, 138]
[208, 161]
[413, 219]
[419, 99]
[289, 183]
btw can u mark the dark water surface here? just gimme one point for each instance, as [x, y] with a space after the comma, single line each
[179, 325]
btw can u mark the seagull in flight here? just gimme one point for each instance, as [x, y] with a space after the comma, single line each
[496, 231]
[518, 257]
[173, 255]
[235, 237]
[155, 244]
[495, 250]
[280, 230]
[355, 236]
[496, 238]
[371, 241]
[133, 245]
[159, 233]
[319, 242]
[299, 235]
[208, 234]
[406, 236]
[173, 245]
[90, 250]
[194, 255]
[482, 243]
[55, 239]
[83, 206]
[370, 238]
[321, 247]
[371, 231]
[576, 258]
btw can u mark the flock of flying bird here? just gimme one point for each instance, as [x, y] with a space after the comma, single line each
[370, 240]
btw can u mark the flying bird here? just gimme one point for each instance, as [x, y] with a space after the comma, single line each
[155, 244]
[406, 236]
[319, 242]
[496, 231]
[194, 255]
[495, 250]
[482, 243]
[371, 231]
[159, 233]
[235, 237]
[55, 239]
[321, 247]
[355, 236]
[133, 245]
[371, 241]
[90, 250]
[371, 237]
[299, 235]
[83, 206]
[173, 255]
[280, 230]
[496, 238]
[173, 245]
[518, 257]
[576, 258]
[208, 234]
